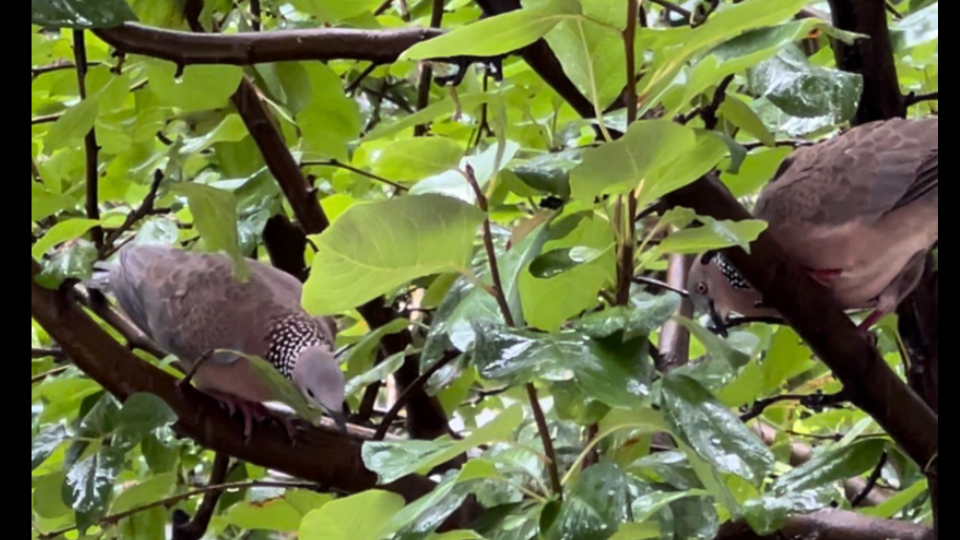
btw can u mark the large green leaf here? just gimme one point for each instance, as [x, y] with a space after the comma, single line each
[198, 88]
[654, 158]
[358, 517]
[283, 514]
[88, 487]
[81, 13]
[335, 10]
[496, 35]
[612, 371]
[415, 159]
[215, 217]
[373, 248]
[716, 434]
[45, 443]
[395, 460]
[713, 235]
[331, 119]
[803, 90]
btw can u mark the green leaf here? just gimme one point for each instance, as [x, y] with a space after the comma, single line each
[198, 88]
[559, 261]
[86, 14]
[281, 514]
[361, 356]
[746, 119]
[612, 371]
[418, 158]
[496, 35]
[787, 358]
[215, 217]
[45, 443]
[48, 496]
[465, 103]
[151, 524]
[142, 413]
[713, 235]
[357, 517]
[642, 317]
[72, 126]
[149, 491]
[88, 486]
[592, 56]
[769, 514]
[803, 90]
[44, 203]
[379, 373]
[335, 10]
[64, 231]
[73, 261]
[714, 432]
[282, 389]
[549, 173]
[331, 120]
[548, 303]
[373, 248]
[834, 465]
[102, 419]
[393, 461]
[716, 346]
[654, 158]
[486, 165]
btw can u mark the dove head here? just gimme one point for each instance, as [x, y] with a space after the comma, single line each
[318, 375]
[717, 288]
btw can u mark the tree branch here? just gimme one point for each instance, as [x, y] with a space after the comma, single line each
[426, 71]
[186, 48]
[674, 337]
[872, 58]
[91, 149]
[913, 99]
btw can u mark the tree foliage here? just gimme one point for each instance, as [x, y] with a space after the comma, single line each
[517, 242]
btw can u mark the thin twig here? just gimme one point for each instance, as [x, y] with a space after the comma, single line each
[875, 477]
[352, 87]
[169, 501]
[89, 142]
[498, 289]
[58, 66]
[414, 387]
[52, 373]
[629, 43]
[426, 71]
[642, 280]
[914, 99]
[146, 208]
[45, 119]
[55, 352]
[344, 166]
[256, 14]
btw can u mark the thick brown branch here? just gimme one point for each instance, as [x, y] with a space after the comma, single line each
[336, 463]
[186, 48]
[285, 169]
[832, 525]
[675, 338]
[873, 58]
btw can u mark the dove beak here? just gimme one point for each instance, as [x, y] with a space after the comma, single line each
[339, 418]
[720, 326]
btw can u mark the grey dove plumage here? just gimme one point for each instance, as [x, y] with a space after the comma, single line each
[859, 211]
[191, 304]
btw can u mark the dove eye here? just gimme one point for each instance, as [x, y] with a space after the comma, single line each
[702, 288]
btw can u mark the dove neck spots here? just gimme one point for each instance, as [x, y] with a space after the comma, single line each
[731, 274]
[287, 338]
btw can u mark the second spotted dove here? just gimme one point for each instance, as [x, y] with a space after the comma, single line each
[859, 212]
[191, 305]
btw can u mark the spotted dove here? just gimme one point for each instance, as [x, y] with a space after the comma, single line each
[859, 212]
[191, 305]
